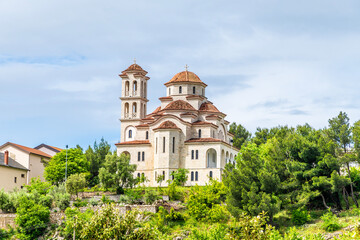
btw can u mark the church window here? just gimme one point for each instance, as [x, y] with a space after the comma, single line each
[210, 175]
[192, 176]
[172, 175]
[163, 175]
[23, 175]
[130, 133]
[194, 90]
[180, 89]
[15, 179]
[135, 88]
[173, 146]
[197, 154]
[143, 156]
[196, 176]
[138, 175]
[145, 90]
[127, 86]
[155, 176]
[169, 91]
[163, 144]
[156, 143]
[143, 175]
[147, 135]
[139, 156]
[199, 133]
[192, 154]
[134, 108]
[202, 91]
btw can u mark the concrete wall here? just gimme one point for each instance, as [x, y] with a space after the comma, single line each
[8, 175]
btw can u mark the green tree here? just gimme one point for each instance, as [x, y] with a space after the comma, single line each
[180, 176]
[241, 135]
[76, 163]
[75, 183]
[32, 219]
[117, 171]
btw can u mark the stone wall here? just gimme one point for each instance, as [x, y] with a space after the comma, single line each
[57, 217]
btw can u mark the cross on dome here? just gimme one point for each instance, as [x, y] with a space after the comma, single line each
[134, 60]
[186, 67]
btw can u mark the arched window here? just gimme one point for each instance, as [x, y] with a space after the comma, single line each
[134, 109]
[196, 176]
[197, 154]
[192, 154]
[172, 175]
[139, 154]
[138, 175]
[145, 90]
[156, 143]
[134, 88]
[142, 89]
[180, 89]
[130, 133]
[192, 176]
[194, 90]
[127, 87]
[155, 175]
[202, 92]
[210, 175]
[163, 144]
[164, 175]
[211, 158]
[173, 145]
[147, 135]
[199, 133]
[169, 91]
[143, 156]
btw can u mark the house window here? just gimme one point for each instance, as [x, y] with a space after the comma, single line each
[196, 176]
[193, 90]
[139, 156]
[147, 135]
[163, 144]
[180, 89]
[192, 154]
[192, 176]
[199, 133]
[173, 146]
[143, 156]
[15, 178]
[130, 133]
[210, 175]
[197, 154]
[23, 175]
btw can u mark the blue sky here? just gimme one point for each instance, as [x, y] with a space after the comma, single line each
[266, 63]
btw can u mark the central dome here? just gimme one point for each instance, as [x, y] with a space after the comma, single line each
[185, 76]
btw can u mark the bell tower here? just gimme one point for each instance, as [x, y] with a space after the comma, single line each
[133, 100]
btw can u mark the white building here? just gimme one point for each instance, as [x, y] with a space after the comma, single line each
[186, 131]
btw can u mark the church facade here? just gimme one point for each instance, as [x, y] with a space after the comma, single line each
[185, 131]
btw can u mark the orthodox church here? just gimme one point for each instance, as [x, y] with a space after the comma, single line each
[185, 131]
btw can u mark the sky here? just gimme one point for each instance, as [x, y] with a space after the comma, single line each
[266, 63]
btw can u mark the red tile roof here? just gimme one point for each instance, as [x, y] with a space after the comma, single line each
[204, 140]
[204, 123]
[27, 149]
[142, 125]
[208, 107]
[167, 125]
[135, 142]
[195, 96]
[179, 105]
[156, 110]
[134, 68]
[185, 76]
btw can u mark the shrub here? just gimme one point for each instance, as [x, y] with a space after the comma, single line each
[80, 203]
[60, 197]
[214, 233]
[75, 183]
[218, 213]
[32, 219]
[175, 216]
[150, 196]
[300, 217]
[39, 186]
[119, 190]
[105, 199]
[125, 199]
[331, 222]
[93, 202]
[5, 204]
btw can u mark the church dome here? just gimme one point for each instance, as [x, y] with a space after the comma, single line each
[134, 68]
[179, 105]
[208, 107]
[167, 125]
[185, 77]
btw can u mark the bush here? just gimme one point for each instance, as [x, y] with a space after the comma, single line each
[80, 203]
[175, 216]
[214, 233]
[150, 196]
[331, 222]
[126, 199]
[32, 219]
[300, 217]
[5, 204]
[60, 197]
[120, 190]
[75, 183]
[93, 202]
[218, 213]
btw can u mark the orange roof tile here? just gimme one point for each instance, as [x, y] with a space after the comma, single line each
[135, 142]
[167, 125]
[179, 105]
[142, 125]
[208, 107]
[204, 140]
[195, 96]
[134, 67]
[204, 123]
[156, 110]
[166, 98]
[185, 76]
[27, 149]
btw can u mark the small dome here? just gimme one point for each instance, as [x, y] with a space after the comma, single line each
[134, 68]
[167, 125]
[208, 107]
[179, 105]
[185, 76]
